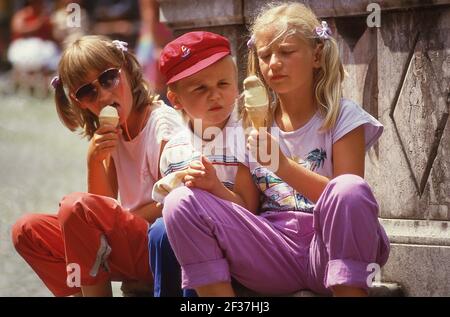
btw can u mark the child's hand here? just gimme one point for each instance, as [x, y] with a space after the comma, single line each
[103, 143]
[265, 149]
[202, 174]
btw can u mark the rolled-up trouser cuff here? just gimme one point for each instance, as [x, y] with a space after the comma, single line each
[347, 272]
[204, 273]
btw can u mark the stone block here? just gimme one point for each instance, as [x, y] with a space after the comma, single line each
[422, 270]
[338, 8]
[413, 84]
[377, 290]
[201, 13]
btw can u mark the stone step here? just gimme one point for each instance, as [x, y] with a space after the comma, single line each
[377, 290]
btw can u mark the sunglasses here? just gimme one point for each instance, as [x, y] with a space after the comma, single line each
[88, 93]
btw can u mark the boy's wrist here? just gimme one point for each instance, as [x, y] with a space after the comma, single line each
[218, 189]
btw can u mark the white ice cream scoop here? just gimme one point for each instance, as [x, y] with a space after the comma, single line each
[166, 184]
[109, 115]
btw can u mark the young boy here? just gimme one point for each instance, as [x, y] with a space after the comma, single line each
[202, 83]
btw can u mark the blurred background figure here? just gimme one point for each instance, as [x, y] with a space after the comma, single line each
[5, 21]
[64, 33]
[116, 19]
[32, 21]
[153, 36]
[137, 23]
[33, 52]
[37, 30]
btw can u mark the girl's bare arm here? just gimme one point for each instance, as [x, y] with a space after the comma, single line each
[152, 210]
[102, 178]
[348, 158]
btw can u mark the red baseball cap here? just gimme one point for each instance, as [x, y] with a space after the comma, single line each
[190, 53]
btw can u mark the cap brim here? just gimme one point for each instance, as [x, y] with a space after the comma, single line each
[198, 66]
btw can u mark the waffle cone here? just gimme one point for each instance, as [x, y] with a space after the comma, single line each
[257, 116]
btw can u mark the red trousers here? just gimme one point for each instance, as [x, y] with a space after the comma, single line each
[90, 232]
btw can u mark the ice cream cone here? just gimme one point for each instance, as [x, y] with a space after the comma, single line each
[256, 101]
[166, 184]
[257, 116]
[109, 115]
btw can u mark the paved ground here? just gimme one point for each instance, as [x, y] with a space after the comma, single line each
[40, 161]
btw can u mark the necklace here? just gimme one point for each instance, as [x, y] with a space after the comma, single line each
[140, 126]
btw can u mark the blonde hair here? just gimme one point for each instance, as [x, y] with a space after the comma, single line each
[297, 19]
[94, 54]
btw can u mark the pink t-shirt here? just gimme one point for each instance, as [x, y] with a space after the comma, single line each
[136, 161]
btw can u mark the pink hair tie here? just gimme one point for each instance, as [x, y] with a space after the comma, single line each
[251, 42]
[323, 32]
[55, 82]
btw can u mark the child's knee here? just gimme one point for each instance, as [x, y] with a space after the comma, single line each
[181, 199]
[22, 229]
[351, 188]
[185, 206]
[348, 185]
[351, 196]
[70, 206]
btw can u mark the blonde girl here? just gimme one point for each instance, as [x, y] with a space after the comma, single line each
[322, 141]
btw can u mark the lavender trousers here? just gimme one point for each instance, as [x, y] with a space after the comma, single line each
[278, 252]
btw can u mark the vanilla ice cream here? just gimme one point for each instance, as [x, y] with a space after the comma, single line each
[109, 115]
[166, 184]
[256, 101]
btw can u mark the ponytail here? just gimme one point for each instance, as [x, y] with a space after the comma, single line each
[328, 82]
[65, 111]
[73, 117]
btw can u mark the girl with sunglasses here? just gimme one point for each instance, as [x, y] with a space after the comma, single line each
[94, 239]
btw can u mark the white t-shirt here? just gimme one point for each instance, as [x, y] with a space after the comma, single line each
[136, 161]
[186, 146]
[312, 149]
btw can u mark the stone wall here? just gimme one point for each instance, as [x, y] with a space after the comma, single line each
[400, 73]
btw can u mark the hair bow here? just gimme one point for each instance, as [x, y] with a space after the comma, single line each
[55, 82]
[323, 32]
[251, 42]
[121, 45]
